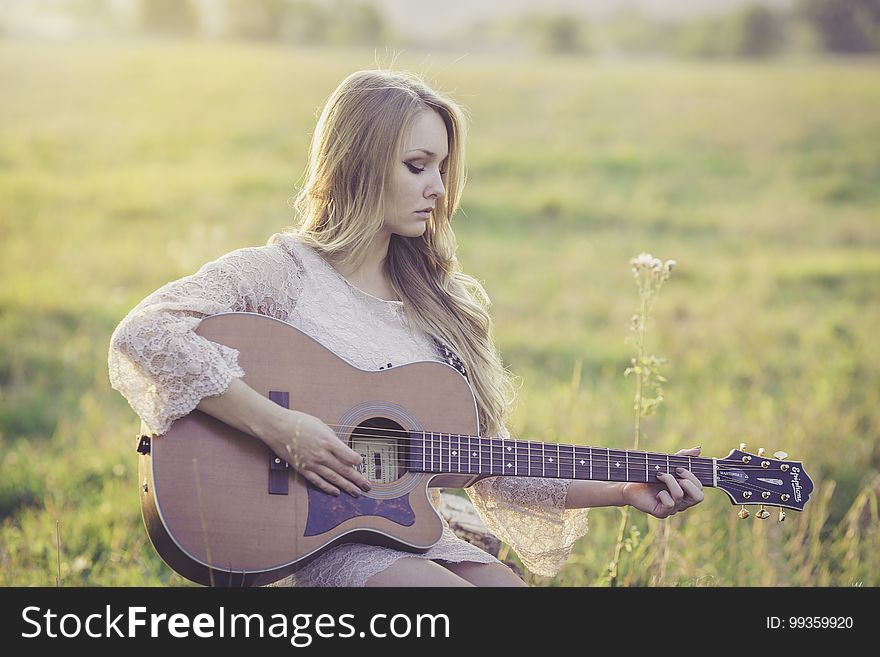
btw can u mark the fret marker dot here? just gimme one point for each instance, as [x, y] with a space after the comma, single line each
[617, 465]
[582, 461]
[474, 454]
[455, 453]
[656, 467]
[550, 459]
[509, 449]
[509, 465]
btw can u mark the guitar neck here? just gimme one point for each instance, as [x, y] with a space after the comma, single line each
[461, 454]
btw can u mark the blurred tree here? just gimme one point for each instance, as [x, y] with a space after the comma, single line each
[759, 32]
[359, 23]
[305, 21]
[560, 33]
[167, 16]
[256, 19]
[845, 26]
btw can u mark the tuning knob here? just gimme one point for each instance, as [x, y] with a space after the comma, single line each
[760, 451]
[742, 446]
[781, 515]
[763, 513]
[781, 456]
[743, 512]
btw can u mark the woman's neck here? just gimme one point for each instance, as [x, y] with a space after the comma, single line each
[370, 275]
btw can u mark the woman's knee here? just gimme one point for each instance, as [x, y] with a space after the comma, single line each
[485, 574]
[411, 571]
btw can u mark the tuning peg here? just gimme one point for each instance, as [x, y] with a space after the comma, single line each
[763, 513]
[781, 515]
[780, 455]
[743, 512]
[742, 446]
[760, 451]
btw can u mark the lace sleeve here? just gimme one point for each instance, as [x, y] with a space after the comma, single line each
[157, 361]
[529, 514]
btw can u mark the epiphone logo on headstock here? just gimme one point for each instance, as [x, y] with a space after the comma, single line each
[736, 474]
[796, 484]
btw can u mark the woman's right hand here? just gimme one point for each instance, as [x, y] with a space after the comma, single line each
[310, 446]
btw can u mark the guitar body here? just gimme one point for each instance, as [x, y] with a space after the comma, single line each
[222, 510]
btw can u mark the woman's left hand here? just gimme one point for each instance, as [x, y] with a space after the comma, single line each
[671, 495]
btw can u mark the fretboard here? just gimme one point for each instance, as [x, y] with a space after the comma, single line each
[461, 454]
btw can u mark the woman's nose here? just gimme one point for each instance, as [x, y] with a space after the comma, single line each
[436, 187]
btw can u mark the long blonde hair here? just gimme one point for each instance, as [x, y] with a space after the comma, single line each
[341, 208]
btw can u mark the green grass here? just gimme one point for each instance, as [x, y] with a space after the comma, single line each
[125, 165]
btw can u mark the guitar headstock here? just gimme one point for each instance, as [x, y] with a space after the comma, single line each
[757, 479]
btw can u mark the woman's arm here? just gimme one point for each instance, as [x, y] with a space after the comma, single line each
[591, 494]
[301, 439]
[665, 498]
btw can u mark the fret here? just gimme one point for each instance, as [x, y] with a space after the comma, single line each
[439, 438]
[469, 454]
[566, 463]
[646, 467]
[459, 452]
[542, 459]
[667, 464]
[573, 462]
[529, 447]
[479, 455]
[522, 458]
[439, 452]
[557, 459]
[502, 460]
[617, 465]
[626, 456]
[424, 452]
[590, 449]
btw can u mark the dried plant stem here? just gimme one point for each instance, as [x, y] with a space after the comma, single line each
[640, 349]
[58, 551]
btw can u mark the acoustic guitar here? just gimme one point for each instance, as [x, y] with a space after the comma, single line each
[222, 509]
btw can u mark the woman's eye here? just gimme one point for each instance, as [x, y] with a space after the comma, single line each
[416, 170]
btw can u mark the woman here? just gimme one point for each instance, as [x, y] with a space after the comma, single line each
[370, 272]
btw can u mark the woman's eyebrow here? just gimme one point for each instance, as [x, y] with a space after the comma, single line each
[425, 151]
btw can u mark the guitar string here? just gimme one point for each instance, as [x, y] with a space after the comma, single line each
[448, 443]
[704, 464]
[706, 470]
[404, 433]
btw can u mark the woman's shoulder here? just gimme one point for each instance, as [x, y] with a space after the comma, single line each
[279, 250]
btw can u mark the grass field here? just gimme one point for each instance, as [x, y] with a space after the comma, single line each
[125, 165]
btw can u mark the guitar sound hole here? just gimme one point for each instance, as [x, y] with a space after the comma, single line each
[384, 447]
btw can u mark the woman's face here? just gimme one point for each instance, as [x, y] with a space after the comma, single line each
[416, 182]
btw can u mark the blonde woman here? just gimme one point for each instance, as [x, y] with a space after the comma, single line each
[370, 272]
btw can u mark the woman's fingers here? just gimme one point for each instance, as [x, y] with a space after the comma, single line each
[338, 480]
[668, 503]
[319, 483]
[347, 461]
[672, 485]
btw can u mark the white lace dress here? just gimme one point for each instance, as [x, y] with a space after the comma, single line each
[164, 370]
